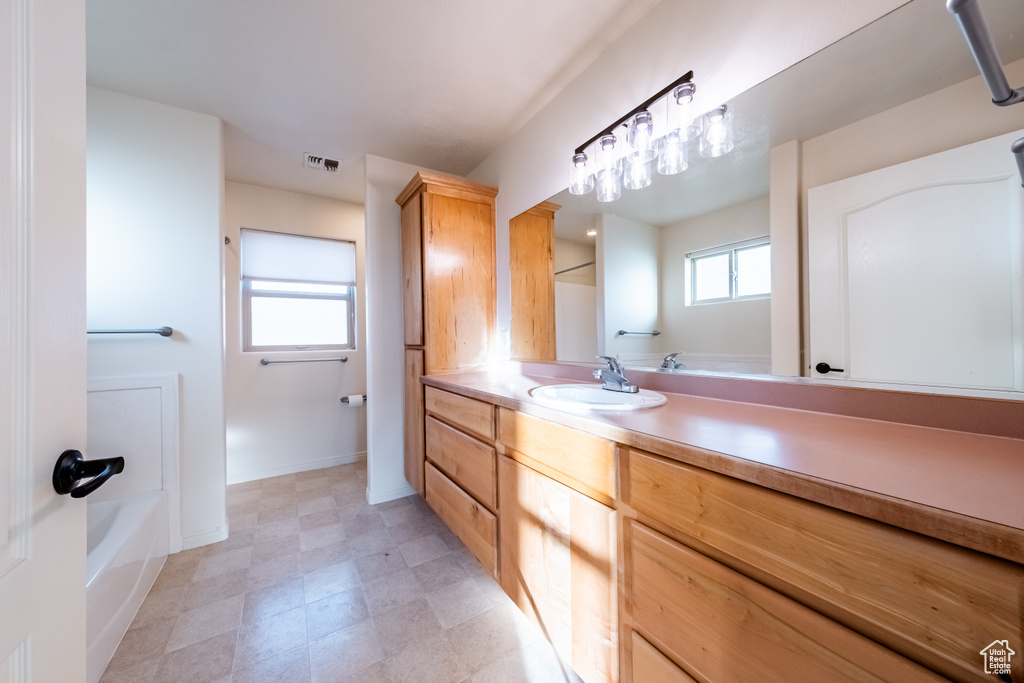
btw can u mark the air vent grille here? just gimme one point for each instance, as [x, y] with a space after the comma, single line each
[321, 162]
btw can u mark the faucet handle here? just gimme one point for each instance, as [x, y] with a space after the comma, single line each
[613, 363]
[671, 358]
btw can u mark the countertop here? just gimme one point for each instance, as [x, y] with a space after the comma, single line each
[964, 488]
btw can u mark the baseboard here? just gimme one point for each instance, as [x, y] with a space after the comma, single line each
[189, 541]
[374, 497]
[296, 467]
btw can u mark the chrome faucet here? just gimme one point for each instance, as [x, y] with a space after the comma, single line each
[670, 362]
[613, 377]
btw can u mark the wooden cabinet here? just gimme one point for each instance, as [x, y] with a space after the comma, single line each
[468, 519]
[558, 564]
[532, 269]
[448, 290]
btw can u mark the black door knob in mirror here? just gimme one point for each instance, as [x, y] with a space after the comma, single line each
[72, 467]
[825, 368]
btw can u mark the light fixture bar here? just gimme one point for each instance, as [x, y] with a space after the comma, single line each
[686, 78]
[972, 24]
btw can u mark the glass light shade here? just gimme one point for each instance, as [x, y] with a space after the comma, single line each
[609, 186]
[581, 180]
[637, 173]
[609, 161]
[640, 138]
[717, 137]
[672, 153]
[681, 114]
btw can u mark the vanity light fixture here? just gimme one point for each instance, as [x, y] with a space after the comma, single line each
[625, 152]
[591, 233]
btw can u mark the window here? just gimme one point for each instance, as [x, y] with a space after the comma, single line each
[741, 270]
[297, 292]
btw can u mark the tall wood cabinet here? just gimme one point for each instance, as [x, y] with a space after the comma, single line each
[531, 237]
[448, 290]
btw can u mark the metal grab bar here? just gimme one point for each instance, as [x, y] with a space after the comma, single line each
[162, 331]
[979, 40]
[344, 399]
[569, 270]
[343, 359]
[655, 333]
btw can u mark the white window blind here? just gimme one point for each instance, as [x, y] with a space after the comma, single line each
[273, 256]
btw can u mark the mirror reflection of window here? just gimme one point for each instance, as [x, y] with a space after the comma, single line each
[731, 272]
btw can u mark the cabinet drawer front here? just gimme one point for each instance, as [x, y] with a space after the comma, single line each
[466, 460]
[474, 525]
[650, 666]
[413, 433]
[587, 459]
[932, 601]
[724, 626]
[467, 413]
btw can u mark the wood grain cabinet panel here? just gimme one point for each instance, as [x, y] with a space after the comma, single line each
[585, 459]
[469, 520]
[937, 603]
[413, 433]
[726, 628]
[412, 272]
[650, 666]
[466, 413]
[558, 564]
[531, 237]
[469, 462]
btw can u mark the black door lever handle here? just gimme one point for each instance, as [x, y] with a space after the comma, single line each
[72, 467]
[825, 368]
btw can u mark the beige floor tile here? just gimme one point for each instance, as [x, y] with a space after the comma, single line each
[246, 496]
[347, 654]
[400, 515]
[363, 524]
[423, 549]
[408, 531]
[346, 486]
[277, 501]
[273, 571]
[380, 564]
[207, 660]
[176, 574]
[242, 521]
[335, 612]
[354, 497]
[378, 673]
[142, 672]
[288, 667]
[369, 543]
[256, 484]
[490, 636]
[215, 588]
[276, 530]
[490, 588]
[320, 536]
[263, 552]
[439, 572]
[224, 562]
[269, 637]
[396, 503]
[431, 660]
[391, 591]
[536, 663]
[329, 580]
[239, 538]
[277, 514]
[141, 643]
[458, 602]
[160, 604]
[320, 518]
[281, 487]
[206, 622]
[243, 508]
[405, 626]
[325, 556]
[317, 504]
[272, 600]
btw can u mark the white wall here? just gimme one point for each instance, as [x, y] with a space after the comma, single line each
[569, 254]
[627, 288]
[155, 192]
[737, 331]
[287, 418]
[730, 45]
[385, 362]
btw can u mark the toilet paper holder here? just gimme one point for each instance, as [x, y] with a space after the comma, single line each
[344, 399]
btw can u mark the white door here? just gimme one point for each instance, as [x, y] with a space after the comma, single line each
[42, 337]
[915, 271]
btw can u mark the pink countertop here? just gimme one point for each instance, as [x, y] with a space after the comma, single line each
[961, 487]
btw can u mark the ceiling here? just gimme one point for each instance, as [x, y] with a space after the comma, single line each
[438, 84]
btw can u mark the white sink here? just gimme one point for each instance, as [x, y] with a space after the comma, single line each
[586, 397]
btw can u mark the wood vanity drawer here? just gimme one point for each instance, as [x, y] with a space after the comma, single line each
[650, 666]
[723, 626]
[468, 519]
[468, 413]
[584, 458]
[469, 462]
[937, 603]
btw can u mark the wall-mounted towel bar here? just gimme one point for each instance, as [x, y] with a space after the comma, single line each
[582, 265]
[344, 399]
[343, 359]
[654, 333]
[162, 331]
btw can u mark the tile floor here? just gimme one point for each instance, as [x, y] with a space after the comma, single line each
[316, 586]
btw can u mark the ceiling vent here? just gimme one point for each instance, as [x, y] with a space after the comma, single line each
[323, 163]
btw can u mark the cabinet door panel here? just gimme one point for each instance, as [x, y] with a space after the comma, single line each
[466, 460]
[726, 627]
[412, 271]
[413, 434]
[468, 519]
[558, 565]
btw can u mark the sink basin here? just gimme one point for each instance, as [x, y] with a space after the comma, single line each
[587, 397]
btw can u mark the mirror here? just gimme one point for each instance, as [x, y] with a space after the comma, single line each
[903, 88]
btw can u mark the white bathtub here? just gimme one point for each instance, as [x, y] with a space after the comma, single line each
[127, 546]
